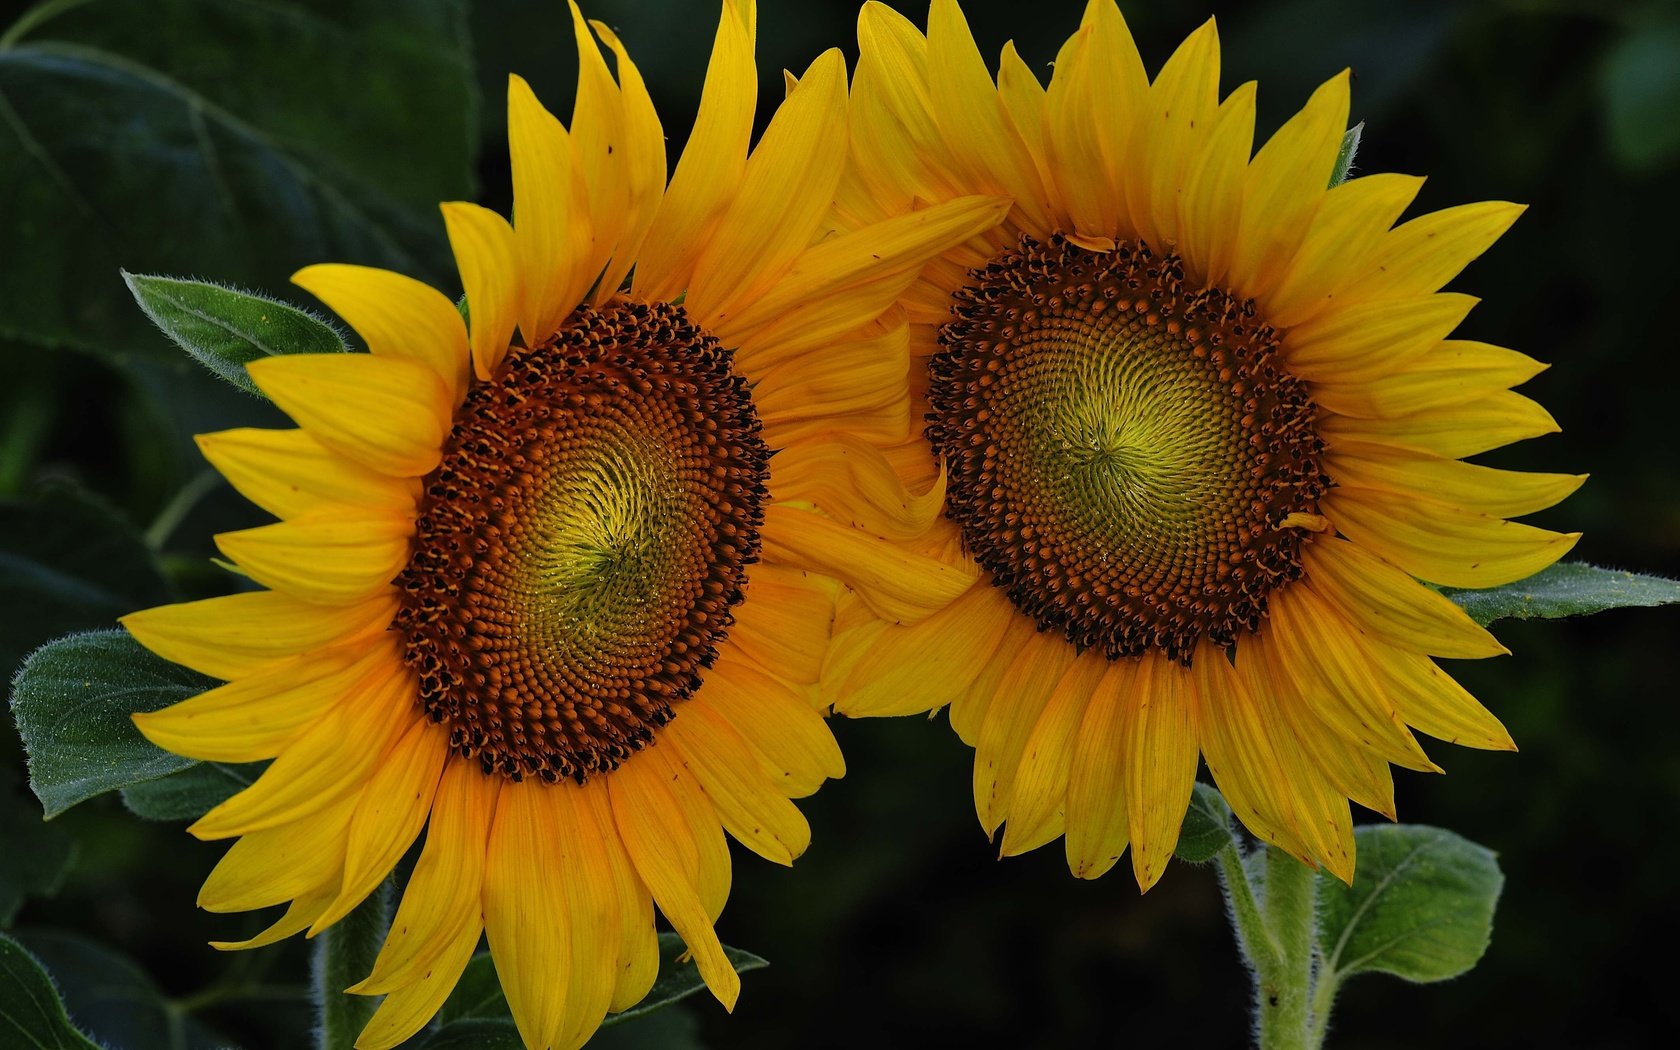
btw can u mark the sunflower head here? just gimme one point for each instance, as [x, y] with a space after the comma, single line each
[1195, 416]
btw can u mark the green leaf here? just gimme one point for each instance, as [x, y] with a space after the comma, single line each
[676, 1029]
[1345, 155]
[344, 954]
[679, 980]
[477, 995]
[72, 701]
[36, 854]
[192, 792]
[1420, 907]
[68, 562]
[225, 329]
[31, 1013]
[130, 127]
[112, 999]
[1568, 589]
[1207, 827]
[475, 1034]
[1641, 86]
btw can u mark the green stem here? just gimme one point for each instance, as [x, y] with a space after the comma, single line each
[179, 506]
[1329, 982]
[344, 954]
[1276, 929]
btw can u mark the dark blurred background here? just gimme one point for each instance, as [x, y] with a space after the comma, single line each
[237, 140]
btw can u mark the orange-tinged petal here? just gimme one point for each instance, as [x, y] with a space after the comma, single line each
[1096, 790]
[899, 585]
[277, 864]
[1158, 750]
[1173, 125]
[238, 634]
[598, 134]
[644, 164]
[1212, 203]
[406, 1010]
[1389, 604]
[921, 667]
[791, 740]
[1038, 796]
[1019, 700]
[748, 802]
[522, 884]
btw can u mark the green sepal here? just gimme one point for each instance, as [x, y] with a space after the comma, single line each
[1345, 154]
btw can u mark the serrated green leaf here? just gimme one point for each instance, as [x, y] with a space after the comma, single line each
[1568, 589]
[192, 792]
[225, 329]
[68, 562]
[36, 854]
[129, 127]
[72, 700]
[1420, 907]
[1346, 154]
[1207, 826]
[679, 980]
[112, 999]
[31, 1013]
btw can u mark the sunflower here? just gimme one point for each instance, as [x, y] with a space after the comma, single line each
[1195, 418]
[545, 596]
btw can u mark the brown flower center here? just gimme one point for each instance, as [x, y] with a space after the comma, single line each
[580, 545]
[1123, 452]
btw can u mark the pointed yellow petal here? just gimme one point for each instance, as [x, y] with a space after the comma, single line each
[1468, 486]
[1440, 543]
[383, 412]
[257, 716]
[522, 885]
[334, 558]
[391, 813]
[1424, 254]
[487, 255]
[1389, 604]
[406, 1010]
[1023, 101]
[907, 670]
[649, 822]
[1019, 700]
[1365, 342]
[238, 634]
[1158, 751]
[702, 848]
[278, 864]
[397, 316]
[898, 153]
[1455, 372]
[589, 909]
[708, 173]
[551, 222]
[785, 621]
[748, 803]
[1452, 431]
[898, 584]
[1173, 125]
[853, 391]
[1096, 790]
[1346, 232]
[599, 146]
[644, 165]
[1212, 203]
[1284, 188]
[1429, 699]
[289, 474]
[442, 897]
[299, 914]
[786, 190]
[1038, 797]
[790, 739]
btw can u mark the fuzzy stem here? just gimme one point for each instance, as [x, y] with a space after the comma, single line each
[1276, 928]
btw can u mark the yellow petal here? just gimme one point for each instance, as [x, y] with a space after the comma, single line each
[784, 623]
[971, 117]
[1429, 699]
[1389, 604]
[971, 704]
[1212, 203]
[1038, 796]
[238, 634]
[751, 808]
[1023, 101]
[277, 864]
[522, 885]
[702, 849]
[907, 670]
[1096, 790]
[551, 222]
[589, 908]
[790, 739]
[1158, 750]
[1362, 343]
[1455, 372]
[708, 173]
[1175, 120]
[255, 717]
[1453, 430]
[333, 558]
[391, 813]
[487, 255]
[852, 391]
[1501, 493]
[1422, 255]
[289, 474]
[898, 584]
[599, 147]
[853, 481]
[644, 164]
[1284, 188]
[331, 760]
[397, 316]
[299, 914]
[406, 1010]
[442, 897]
[1019, 700]
[1346, 232]
[638, 940]
[383, 412]
[898, 153]
[1094, 104]
[786, 190]
[1440, 543]
[649, 822]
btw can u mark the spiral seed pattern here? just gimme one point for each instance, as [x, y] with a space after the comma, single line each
[581, 543]
[1122, 451]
